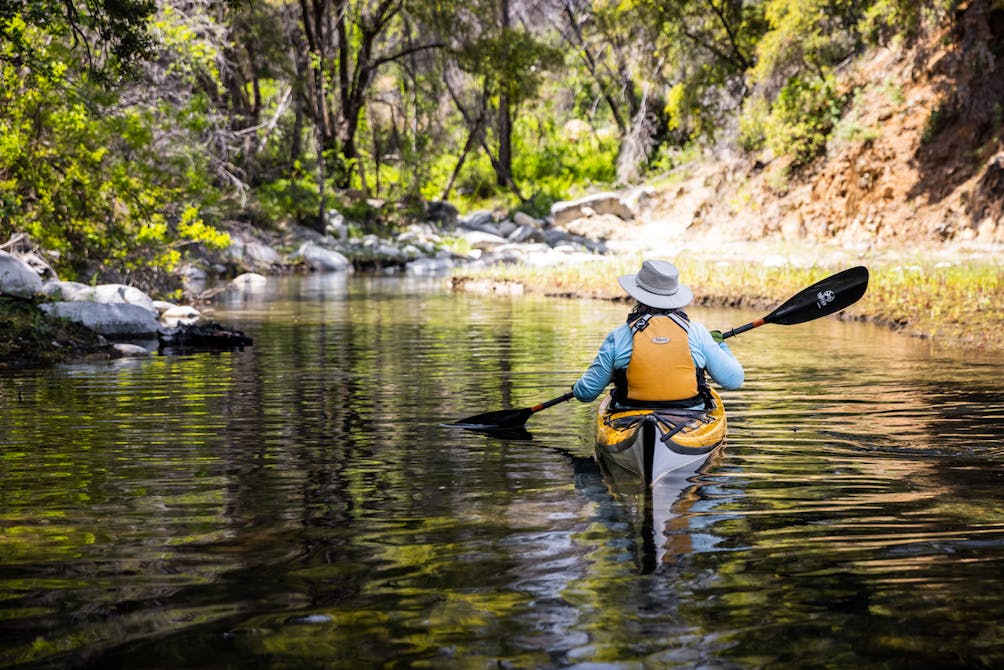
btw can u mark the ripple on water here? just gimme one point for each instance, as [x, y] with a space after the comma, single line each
[297, 504]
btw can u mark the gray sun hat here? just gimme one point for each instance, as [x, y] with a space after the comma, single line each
[657, 285]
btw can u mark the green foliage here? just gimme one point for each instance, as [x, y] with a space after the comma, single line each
[849, 127]
[753, 121]
[114, 180]
[192, 228]
[294, 198]
[512, 62]
[544, 153]
[83, 175]
[894, 92]
[804, 35]
[554, 161]
[886, 20]
[29, 337]
[849, 131]
[802, 118]
[109, 37]
[939, 118]
[699, 53]
[796, 104]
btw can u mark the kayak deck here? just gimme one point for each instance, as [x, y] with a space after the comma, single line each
[655, 442]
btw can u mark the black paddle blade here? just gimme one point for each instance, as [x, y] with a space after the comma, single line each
[506, 419]
[825, 297]
[501, 419]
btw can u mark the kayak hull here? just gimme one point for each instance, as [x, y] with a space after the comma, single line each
[655, 442]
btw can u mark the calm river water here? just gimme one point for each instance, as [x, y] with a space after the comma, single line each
[298, 505]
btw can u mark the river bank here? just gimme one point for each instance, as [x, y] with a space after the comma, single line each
[948, 294]
[944, 290]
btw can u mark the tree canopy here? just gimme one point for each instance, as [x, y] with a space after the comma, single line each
[131, 127]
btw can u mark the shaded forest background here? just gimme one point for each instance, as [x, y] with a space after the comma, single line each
[131, 130]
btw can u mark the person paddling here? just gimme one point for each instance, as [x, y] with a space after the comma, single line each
[659, 357]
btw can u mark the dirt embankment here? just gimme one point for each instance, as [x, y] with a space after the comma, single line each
[917, 163]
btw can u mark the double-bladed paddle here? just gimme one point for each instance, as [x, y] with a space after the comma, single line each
[825, 297]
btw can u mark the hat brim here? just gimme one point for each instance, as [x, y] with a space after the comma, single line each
[681, 298]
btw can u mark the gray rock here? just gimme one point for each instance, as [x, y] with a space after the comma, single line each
[554, 236]
[429, 266]
[176, 315]
[17, 278]
[322, 259]
[599, 203]
[389, 251]
[71, 291]
[524, 219]
[261, 254]
[39, 265]
[249, 281]
[591, 245]
[477, 220]
[526, 232]
[442, 213]
[66, 290]
[120, 293]
[108, 319]
[483, 241]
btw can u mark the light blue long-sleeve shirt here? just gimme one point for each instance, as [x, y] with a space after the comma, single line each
[615, 353]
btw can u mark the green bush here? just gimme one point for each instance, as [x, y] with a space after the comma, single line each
[803, 117]
[753, 121]
[294, 198]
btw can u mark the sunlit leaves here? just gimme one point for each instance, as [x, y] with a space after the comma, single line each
[193, 228]
[81, 172]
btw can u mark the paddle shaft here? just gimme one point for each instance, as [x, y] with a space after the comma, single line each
[553, 401]
[742, 329]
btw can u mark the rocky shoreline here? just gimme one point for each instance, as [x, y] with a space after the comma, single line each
[129, 322]
[574, 230]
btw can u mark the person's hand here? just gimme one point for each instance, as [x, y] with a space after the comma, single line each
[716, 335]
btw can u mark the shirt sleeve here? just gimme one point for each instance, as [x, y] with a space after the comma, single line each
[715, 357]
[614, 353]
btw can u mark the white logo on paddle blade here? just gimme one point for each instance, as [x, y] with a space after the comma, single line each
[824, 298]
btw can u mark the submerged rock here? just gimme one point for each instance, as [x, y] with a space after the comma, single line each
[211, 336]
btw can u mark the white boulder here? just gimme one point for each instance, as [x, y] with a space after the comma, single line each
[109, 319]
[17, 278]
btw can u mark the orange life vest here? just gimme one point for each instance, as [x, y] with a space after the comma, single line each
[661, 367]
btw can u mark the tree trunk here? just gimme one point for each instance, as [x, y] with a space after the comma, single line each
[473, 136]
[503, 164]
[503, 168]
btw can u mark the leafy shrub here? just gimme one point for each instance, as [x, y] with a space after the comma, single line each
[294, 198]
[886, 20]
[753, 122]
[803, 117]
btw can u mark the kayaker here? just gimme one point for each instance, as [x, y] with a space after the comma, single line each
[659, 357]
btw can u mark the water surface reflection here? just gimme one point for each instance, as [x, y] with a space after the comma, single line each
[298, 504]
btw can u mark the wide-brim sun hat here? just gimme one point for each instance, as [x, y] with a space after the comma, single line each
[657, 285]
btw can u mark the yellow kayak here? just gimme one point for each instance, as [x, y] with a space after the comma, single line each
[655, 442]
